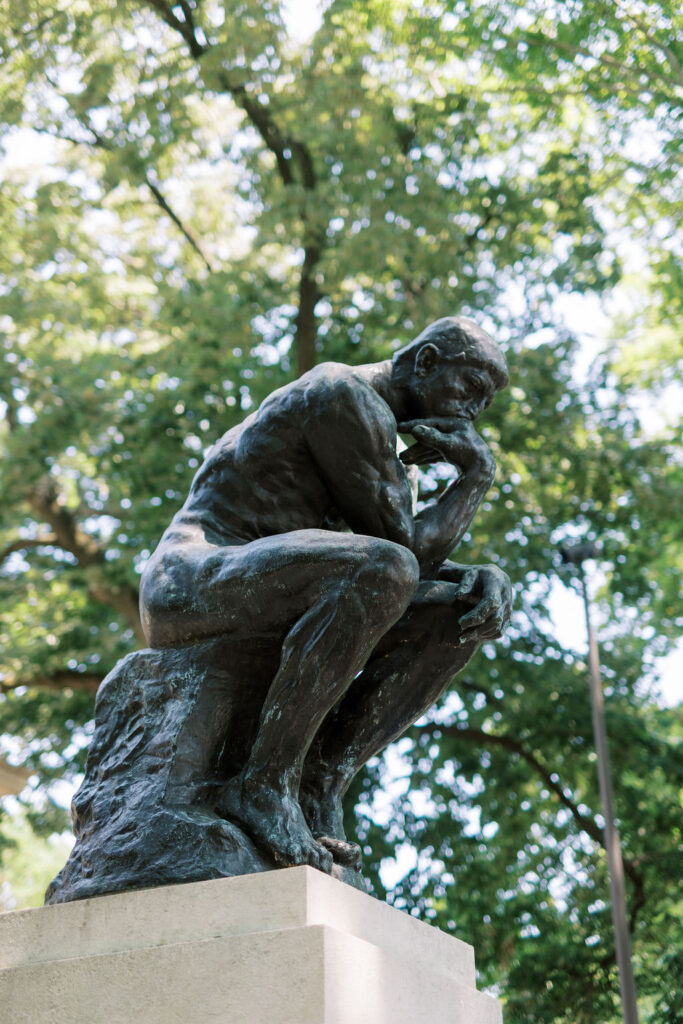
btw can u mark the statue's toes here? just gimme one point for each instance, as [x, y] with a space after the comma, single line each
[318, 857]
[348, 854]
[293, 852]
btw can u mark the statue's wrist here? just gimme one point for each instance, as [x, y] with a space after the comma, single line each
[482, 468]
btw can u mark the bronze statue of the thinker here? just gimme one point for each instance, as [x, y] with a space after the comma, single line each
[300, 617]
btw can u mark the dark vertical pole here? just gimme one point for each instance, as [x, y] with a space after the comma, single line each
[615, 864]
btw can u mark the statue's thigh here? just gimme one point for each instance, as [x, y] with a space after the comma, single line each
[255, 589]
[270, 582]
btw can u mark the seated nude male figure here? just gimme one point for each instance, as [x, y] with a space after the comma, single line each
[372, 624]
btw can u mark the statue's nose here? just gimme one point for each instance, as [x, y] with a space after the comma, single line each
[474, 407]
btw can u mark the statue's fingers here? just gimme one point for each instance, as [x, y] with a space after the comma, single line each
[506, 615]
[495, 592]
[489, 630]
[467, 584]
[417, 427]
[478, 615]
[475, 635]
[407, 426]
[423, 432]
[417, 454]
[438, 423]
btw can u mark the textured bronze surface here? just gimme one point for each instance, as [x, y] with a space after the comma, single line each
[300, 617]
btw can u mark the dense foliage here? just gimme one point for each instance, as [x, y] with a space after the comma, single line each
[194, 208]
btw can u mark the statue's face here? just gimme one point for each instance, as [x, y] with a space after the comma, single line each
[447, 388]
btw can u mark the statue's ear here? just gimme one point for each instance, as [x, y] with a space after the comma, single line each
[426, 359]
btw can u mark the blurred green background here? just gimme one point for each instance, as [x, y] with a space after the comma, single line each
[198, 202]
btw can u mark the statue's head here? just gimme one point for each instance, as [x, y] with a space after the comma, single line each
[453, 368]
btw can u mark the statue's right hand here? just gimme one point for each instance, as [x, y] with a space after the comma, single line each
[448, 440]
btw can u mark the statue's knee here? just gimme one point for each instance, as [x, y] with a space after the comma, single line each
[395, 574]
[153, 615]
[160, 604]
[151, 593]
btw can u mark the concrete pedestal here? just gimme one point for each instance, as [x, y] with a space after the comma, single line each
[281, 947]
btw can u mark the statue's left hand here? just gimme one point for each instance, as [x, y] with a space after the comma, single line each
[491, 615]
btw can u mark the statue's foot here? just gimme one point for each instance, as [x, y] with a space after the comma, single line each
[345, 853]
[275, 821]
[325, 816]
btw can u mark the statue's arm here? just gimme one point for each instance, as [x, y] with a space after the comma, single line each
[440, 526]
[351, 435]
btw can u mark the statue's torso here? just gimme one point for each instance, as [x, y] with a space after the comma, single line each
[261, 477]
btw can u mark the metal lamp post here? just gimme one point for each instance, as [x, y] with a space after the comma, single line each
[577, 554]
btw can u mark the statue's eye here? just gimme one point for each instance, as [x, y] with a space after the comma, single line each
[476, 380]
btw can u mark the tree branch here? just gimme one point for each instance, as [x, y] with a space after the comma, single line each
[11, 411]
[284, 148]
[305, 161]
[587, 824]
[163, 203]
[125, 600]
[622, 70]
[44, 499]
[12, 778]
[64, 137]
[186, 28]
[96, 141]
[645, 31]
[289, 153]
[23, 543]
[187, 15]
[33, 29]
[279, 145]
[60, 679]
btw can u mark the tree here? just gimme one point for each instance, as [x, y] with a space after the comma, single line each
[219, 210]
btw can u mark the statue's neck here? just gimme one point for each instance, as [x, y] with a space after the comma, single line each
[380, 378]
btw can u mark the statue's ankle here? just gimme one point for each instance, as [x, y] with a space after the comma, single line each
[280, 783]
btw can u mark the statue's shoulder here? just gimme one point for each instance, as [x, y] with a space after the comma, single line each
[334, 381]
[330, 373]
[338, 397]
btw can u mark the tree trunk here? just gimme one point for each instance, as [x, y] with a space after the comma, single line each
[305, 319]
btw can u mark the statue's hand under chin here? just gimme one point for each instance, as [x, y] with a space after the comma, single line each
[453, 440]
